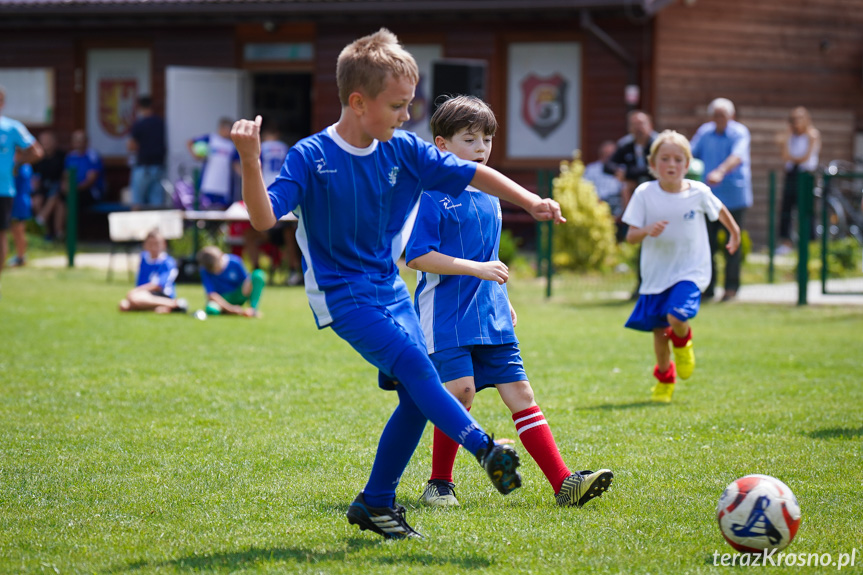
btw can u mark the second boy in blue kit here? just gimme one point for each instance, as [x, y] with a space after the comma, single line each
[464, 310]
[353, 187]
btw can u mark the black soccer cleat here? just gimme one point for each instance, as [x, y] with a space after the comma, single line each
[581, 487]
[500, 462]
[387, 522]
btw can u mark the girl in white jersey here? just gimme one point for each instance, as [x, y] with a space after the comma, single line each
[667, 216]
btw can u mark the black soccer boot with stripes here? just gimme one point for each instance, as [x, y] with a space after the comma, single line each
[500, 462]
[389, 522]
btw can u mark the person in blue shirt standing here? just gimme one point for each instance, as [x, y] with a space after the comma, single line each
[355, 187]
[465, 313]
[22, 210]
[723, 145]
[217, 177]
[14, 137]
[228, 284]
[154, 289]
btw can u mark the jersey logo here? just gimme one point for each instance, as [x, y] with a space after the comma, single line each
[690, 215]
[321, 167]
[393, 175]
[448, 204]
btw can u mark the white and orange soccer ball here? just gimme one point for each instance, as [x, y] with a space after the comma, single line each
[758, 512]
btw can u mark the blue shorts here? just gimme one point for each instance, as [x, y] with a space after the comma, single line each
[681, 300]
[381, 334]
[22, 207]
[487, 364]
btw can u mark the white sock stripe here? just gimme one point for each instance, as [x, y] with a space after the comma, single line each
[534, 424]
[526, 417]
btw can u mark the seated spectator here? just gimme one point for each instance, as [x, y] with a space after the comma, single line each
[154, 290]
[89, 177]
[47, 175]
[228, 285]
[608, 187]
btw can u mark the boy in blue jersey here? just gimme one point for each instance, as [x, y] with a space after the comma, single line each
[354, 188]
[228, 284]
[154, 289]
[466, 317]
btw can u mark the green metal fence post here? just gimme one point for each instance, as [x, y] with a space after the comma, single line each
[805, 183]
[72, 217]
[825, 231]
[771, 226]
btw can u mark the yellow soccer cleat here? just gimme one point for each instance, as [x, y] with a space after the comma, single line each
[684, 358]
[662, 392]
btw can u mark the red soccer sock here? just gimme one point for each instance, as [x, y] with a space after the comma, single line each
[667, 376]
[535, 435]
[676, 340]
[444, 451]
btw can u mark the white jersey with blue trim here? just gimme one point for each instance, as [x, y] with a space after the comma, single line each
[355, 208]
[460, 310]
[273, 154]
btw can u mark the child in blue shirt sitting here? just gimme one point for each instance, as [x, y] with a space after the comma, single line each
[228, 285]
[465, 314]
[154, 289]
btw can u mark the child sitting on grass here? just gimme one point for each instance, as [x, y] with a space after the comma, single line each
[154, 289]
[667, 216]
[228, 285]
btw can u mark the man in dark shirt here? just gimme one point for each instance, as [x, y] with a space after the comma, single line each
[147, 142]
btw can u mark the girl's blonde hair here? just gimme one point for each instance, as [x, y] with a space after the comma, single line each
[669, 137]
[365, 64]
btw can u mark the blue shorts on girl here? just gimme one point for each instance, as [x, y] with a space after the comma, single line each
[489, 365]
[681, 300]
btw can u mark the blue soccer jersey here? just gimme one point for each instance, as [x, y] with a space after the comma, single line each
[22, 205]
[460, 310]
[84, 162]
[231, 278]
[162, 270]
[13, 135]
[355, 207]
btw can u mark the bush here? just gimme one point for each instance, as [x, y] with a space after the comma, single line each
[508, 247]
[586, 241]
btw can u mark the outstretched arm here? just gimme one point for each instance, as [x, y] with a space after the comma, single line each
[493, 182]
[442, 264]
[246, 136]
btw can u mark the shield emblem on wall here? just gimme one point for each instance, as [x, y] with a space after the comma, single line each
[543, 103]
[117, 105]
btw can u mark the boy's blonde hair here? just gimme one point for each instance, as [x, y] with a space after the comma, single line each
[365, 64]
[209, 258]
[462, 112]
[670, 137]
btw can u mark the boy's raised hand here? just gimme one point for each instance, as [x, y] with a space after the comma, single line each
[246, 136]
[547, 209]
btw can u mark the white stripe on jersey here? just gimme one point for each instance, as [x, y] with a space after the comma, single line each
[426, 307]
[317, 298]
[400, 241]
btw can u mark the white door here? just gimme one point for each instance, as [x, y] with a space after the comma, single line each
[195, 99]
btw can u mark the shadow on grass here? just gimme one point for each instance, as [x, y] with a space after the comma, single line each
[233, 561]
[836, 433]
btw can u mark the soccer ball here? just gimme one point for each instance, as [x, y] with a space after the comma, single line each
[758, 512]
[201, 149]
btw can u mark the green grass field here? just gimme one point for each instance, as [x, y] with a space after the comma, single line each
[161, 444]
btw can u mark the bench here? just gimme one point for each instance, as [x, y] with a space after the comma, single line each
[127, 229]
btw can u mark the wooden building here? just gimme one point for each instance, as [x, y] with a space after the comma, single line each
[555, 71]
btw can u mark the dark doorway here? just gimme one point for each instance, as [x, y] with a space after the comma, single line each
[286, 100]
